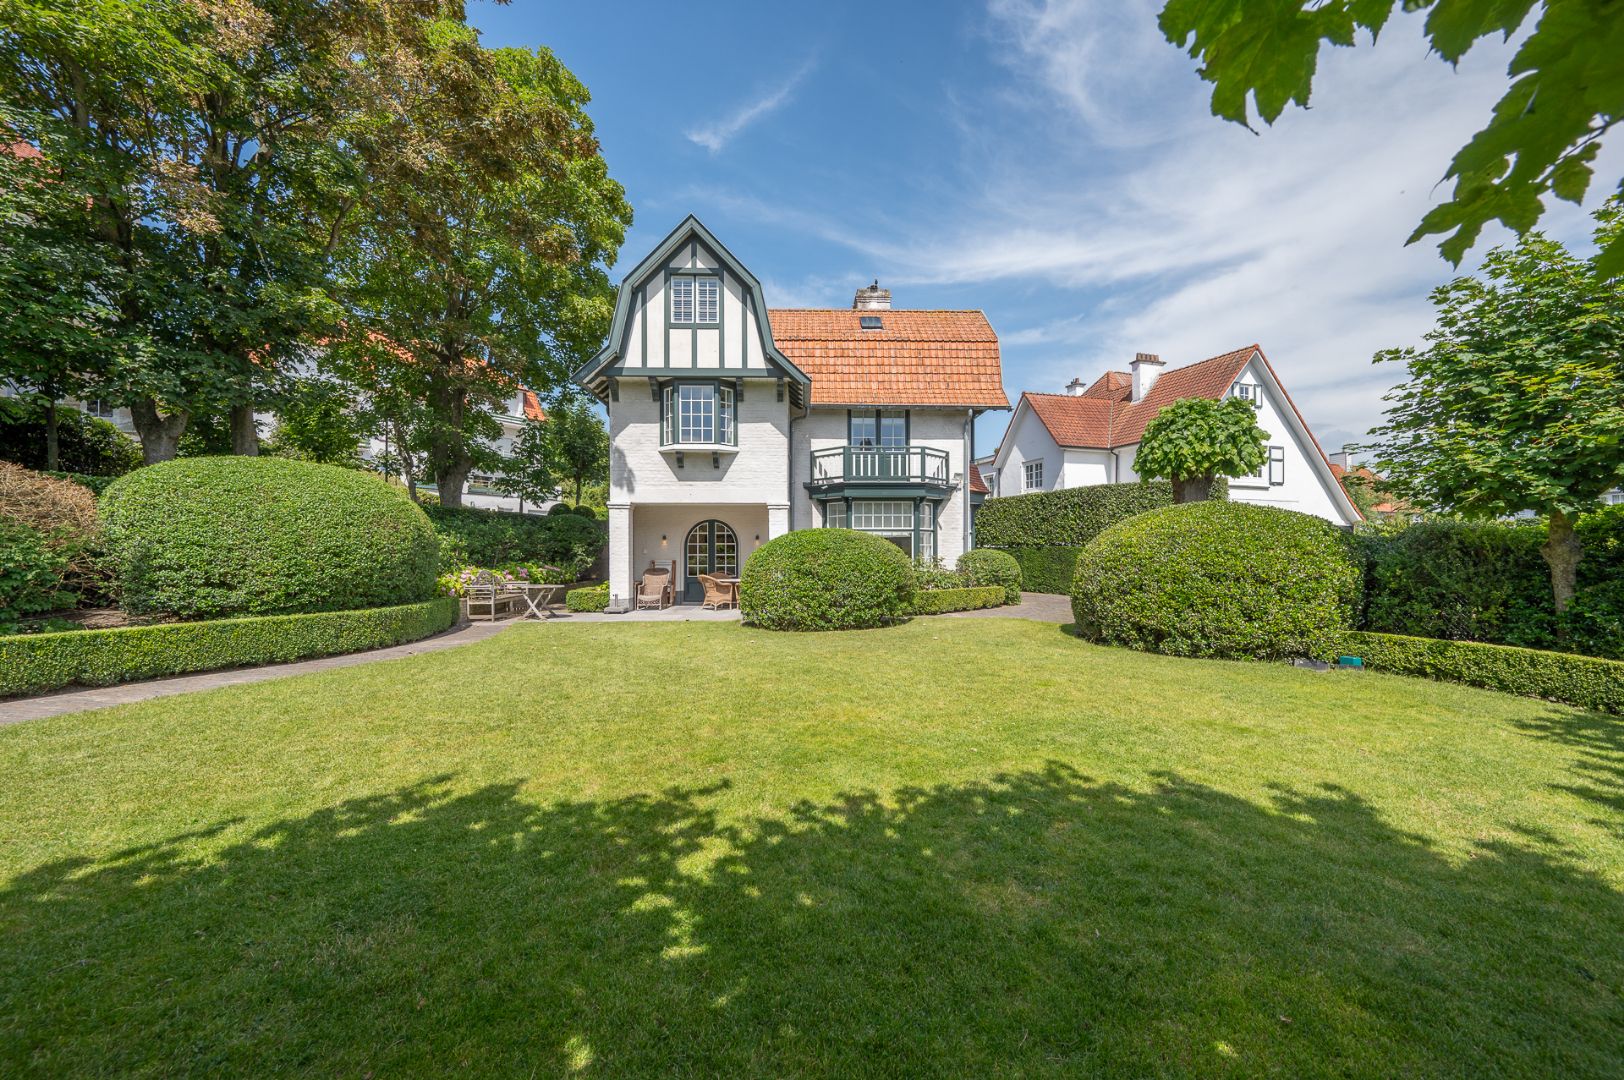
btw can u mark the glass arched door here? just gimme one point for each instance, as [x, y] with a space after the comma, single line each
[711, 548]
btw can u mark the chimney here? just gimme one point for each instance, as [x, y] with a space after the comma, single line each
[872, 298]
[1146, 366]
[1343, 458]
[1076, 387]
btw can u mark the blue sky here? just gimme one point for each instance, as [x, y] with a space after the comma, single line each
[1051, 162]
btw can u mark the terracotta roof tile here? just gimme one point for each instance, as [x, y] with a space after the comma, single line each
[977, 484]
[532, 406]
[916, 358]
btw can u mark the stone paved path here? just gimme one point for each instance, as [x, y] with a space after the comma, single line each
[1040, 607]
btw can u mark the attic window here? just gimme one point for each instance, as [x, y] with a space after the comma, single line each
[870, 322]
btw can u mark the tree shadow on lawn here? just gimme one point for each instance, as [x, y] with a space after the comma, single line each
[1038, 923]
[1599, 768]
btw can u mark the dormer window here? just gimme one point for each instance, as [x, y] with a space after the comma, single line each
[870, 322]
[696, 300]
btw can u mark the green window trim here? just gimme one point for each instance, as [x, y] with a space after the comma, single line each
[723, 412]
[878, 417]
[924, 529]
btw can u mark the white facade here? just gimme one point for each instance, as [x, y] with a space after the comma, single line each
[716, 446]
[1298, 477]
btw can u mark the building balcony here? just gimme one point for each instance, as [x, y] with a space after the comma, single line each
[869, 470]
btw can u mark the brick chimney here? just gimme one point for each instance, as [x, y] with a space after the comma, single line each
[1145, 367]
[872, 298]
[1075, 388]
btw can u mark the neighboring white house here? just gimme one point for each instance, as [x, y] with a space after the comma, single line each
[1089, 435]
[731, 424]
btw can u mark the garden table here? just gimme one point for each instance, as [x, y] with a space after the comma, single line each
[537, 597]
[732, 584]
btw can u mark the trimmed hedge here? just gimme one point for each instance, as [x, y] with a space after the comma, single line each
[1046, 569]
[1584, 681]
[591, 598]
[214, 537]
[970, 598]
[1070, 517]
[495, 538]
[983, 566]
[826, 579]
[1218, 579]
[35, 663]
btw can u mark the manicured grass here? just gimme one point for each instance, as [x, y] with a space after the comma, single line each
[956, 847]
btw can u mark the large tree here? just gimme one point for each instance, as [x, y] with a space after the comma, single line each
[1194, 441]
[1566, 92]
[485, 266]
[1516, 403]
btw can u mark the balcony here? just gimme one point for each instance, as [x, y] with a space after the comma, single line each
[899, 471]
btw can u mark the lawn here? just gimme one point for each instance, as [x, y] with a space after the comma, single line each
[970, 847]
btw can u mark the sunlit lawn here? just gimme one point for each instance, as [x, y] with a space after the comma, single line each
[955, 847]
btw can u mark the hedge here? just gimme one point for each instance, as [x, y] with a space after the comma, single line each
[984, 566]
[592, 598]
[218, 537]
[495, 538]
[85, 444]
[826, 579]
[1046, 569]
[1070, 517]
[1584, 681]
[97, 484]
[33, 664]
[969, 598]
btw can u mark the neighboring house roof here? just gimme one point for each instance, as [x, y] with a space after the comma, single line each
[915, 358]
[532, 406]
[23, 151]
[1386, 506]
[1102, 417]
[978, 486]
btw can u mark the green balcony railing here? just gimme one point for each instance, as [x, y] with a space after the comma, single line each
[880, 465]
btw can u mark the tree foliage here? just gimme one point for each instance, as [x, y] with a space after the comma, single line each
[1517, 401]
[526, 472]
[575, 443]
[1194, 441]
[1543, 136]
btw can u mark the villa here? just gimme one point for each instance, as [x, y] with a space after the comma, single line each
[731, 423]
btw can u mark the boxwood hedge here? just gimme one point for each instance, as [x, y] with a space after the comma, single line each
[1584, 681]
[35, 663]
[970, 598]
[1070, 517]
[826, 579]
[983, 566]
[211, 537]
[495, 538]
[1046, 569]
[1218, 579]
[591, 598]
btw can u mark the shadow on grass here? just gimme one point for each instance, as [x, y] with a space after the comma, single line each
[1599, 769]
[1036, 924]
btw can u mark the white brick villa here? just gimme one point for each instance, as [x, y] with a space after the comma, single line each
[731, 423]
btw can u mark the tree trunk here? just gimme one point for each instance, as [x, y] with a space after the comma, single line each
[577, 491]
[1562, 553]
[1192, 489]
[450, 478]
[244, 432]
[160, 435]
[53, 444]
[448, 442]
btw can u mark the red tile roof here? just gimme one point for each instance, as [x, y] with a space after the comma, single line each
[23, 151]
[532, 406]
[916, 358]
[978, 486]
[1103, 418]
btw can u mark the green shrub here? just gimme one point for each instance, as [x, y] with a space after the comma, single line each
[31, 573]
[969, 598]
[933, 575]
[1218, 579]
[496, 538]
[212, 537]
[1046, 569]
[584, 511]
[1070, 517]
[983, 566]
[559, 508]
[36, 663]
[826, 579]
[85, 444]
[1488, 582]
[1584, 681]
[591, 598]
[97, 484]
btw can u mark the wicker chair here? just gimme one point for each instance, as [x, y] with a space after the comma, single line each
[488, 595]
[654, 590]
[717, 595]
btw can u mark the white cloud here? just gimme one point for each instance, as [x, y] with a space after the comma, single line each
[717, 134]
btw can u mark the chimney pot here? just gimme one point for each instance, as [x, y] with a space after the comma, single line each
[1146, 366]
[872, 298]
[1076, 387]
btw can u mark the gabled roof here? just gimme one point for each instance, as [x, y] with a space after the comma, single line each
[1117, 385]
[690, 229]
[914, 358]
[532, 406]
[978, 486]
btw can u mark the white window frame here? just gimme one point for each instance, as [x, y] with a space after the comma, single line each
[1029, 470]
[1246, 391]
[710, 420]
[708, 301]
[1277, 466]
[682, 299]
[696, 300]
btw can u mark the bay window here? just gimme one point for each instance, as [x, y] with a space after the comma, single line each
[910, 524]
[698, 412]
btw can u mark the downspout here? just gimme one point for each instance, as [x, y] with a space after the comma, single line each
[969, 455]
[791, 516]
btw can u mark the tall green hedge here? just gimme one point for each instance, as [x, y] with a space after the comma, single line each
[214, 537]
[1584, 681]
[35, 663]
[495, 538]
[1070, 517]
[1046, 569]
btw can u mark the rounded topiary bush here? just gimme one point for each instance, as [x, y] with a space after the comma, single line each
[1218, 579]
[984, 566]
[826, 579]
[216, 536]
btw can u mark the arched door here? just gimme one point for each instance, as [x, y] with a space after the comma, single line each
[711, 548]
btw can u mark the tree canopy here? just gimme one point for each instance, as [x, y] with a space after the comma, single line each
[1194, 441]
[1542, 137]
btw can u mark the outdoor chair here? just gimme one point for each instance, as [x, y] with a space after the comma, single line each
[654, 590]
[717, 595]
